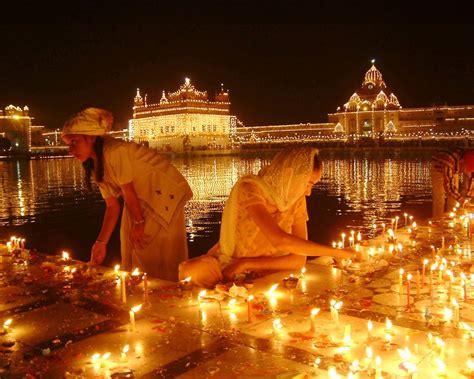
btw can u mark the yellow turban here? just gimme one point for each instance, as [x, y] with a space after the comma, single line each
[90, 121]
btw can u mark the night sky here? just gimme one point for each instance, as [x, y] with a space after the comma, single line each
[275, 73]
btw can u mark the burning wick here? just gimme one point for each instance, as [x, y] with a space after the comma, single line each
[132, 316]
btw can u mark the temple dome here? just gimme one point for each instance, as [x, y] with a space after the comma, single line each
[373, 75]
[381, 97]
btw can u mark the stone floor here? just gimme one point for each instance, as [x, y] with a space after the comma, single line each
[68, 319]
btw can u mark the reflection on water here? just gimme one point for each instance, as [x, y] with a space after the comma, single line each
[46, 202]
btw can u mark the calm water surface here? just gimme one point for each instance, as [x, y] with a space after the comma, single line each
[45, 200]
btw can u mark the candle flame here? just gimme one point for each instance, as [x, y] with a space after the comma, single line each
[106, 356]
[470, 364]
[448, 313]
[388, 323]
[409, 276]
[440, 364]
[136, 308]
[425, 262]
[250, 298]
[232, 302]
[333, 373]
[465, 326]
[136, 272]
[116, 268]
[202, 293]
[303, 270]
[401, 271]
[65, 256]
[277, 324]
[368, 352]
[95, 356]
[272, 289]
[125, 349]
[378, 361]
[8, 322]
[370, 325]
[405, 353]
[188, 279]
[314, 311]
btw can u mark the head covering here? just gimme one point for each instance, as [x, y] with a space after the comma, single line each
[468, 159]
[283, 182]
[288, 175]
[90, 121]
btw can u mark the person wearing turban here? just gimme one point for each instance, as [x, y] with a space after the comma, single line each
[451, 177]
[264, 223]
[152, 233]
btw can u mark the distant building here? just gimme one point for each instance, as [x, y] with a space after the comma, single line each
[372, 111]
[183, 120]
[15, 129]
[37, 135]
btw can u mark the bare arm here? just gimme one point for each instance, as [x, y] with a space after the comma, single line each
[112, 212]
[137, 235]
[294, 243]
[288, 242]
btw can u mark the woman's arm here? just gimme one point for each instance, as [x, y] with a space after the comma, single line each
[112, 212]
[291, 243]
[132, 201]
[133, 205]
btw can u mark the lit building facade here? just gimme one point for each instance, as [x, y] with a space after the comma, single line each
[15, 128]
[183, 120]
[374, 110]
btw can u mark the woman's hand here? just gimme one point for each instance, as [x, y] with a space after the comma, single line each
[98, 252]
[138, 236]
[234, 269]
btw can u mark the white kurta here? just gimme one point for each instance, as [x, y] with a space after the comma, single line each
[162, 192]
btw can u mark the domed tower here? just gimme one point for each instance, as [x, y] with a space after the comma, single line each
[370, 108]
[372, 93]
[223, 95]
[138, 100]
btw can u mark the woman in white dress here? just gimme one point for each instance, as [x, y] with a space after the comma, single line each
[152, 234]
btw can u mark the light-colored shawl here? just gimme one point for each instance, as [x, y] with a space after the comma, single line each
[283, 182]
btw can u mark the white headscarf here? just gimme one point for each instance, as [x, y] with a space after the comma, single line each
[283, 182]
[90, 121]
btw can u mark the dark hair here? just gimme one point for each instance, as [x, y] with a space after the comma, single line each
[316, 162]
[89, 164]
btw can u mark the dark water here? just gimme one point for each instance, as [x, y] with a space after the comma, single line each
[45, 201]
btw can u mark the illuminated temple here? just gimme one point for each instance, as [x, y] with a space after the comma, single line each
[183, 120]
[15, 129]
[372, 111]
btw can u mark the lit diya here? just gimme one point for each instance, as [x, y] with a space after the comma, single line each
[136, 277]
[290, 282]
[185, 284]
